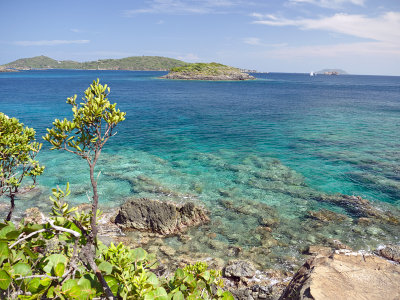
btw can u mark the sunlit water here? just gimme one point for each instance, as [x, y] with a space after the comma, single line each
[256, 154]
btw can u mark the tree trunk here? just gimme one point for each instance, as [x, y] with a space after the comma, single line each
[12, 197]
[89, 253]
[94, 204]
[91, 245]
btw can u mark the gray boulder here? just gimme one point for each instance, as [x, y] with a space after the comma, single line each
[159, 217]
[239, 268]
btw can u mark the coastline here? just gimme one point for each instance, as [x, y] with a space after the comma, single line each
[243, 278]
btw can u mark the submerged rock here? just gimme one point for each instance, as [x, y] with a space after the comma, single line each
[325, 215]
[359, 207]
[345, 275]
[159, 217]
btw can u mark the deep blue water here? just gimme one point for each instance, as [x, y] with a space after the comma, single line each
[271, 141]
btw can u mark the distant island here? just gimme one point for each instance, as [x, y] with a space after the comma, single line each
[207, 71]
[332, 72]
[134, 63]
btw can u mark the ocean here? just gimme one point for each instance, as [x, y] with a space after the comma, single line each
[270, 159]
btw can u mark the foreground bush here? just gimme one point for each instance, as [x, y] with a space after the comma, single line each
[18, 149]
[46, 261]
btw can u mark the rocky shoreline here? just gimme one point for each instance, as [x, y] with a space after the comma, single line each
[329, 272]
[231, 77]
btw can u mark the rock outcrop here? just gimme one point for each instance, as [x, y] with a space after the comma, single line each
[391, 252]
[159, 217]
[345, 275]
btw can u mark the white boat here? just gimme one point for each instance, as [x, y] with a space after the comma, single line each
[312, 73]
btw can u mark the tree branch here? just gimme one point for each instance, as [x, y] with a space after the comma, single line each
[27, 237]
[51, 222]
[73, 232]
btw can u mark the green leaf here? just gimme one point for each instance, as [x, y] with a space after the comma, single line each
[227, 296]
[22, 269]
[53, 260]
[206, 275]
[50, 292]
[12, 235]
[5, 230]
[33, 285]
[59, 269]
[178, 296]
[3, 251]
[68, 285]
[153, 280]
[45, 282]
[179, 274]
[18, 255]
[112, 283]
[139, 254]
[5, 280]
[106, 267]
[75, 292]
[159, 294]
[86, 287]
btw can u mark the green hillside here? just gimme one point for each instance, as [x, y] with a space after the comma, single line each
[147, 63]
[207, 71]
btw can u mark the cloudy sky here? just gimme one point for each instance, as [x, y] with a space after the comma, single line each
[359, 36]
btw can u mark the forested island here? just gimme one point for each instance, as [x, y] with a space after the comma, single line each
[207, 71]
[134, 63]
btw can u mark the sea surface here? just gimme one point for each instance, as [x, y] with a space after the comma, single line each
[262, 156]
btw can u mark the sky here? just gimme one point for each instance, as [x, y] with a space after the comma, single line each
[358, 36]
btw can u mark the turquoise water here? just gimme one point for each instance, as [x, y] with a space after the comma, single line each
[256, 154]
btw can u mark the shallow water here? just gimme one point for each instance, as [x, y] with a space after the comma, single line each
[258, 154]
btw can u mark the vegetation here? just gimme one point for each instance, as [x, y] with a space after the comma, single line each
[18, 149]
[150, 63]
[48, 262]
[92, 125]
[205, 69]
[61, 259]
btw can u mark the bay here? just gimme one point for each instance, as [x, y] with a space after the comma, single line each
[256, 154]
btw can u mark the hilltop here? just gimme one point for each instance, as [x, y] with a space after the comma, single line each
[140, 63]
[207, 71]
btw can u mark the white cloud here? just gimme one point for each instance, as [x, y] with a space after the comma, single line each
[252, 41]
[50, 42]
[384, 28]
[183, 7]
[372, 49]
[329, 3]
[190, 57]
[381, 34]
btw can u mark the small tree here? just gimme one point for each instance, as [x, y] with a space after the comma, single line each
[92, 125]
[18, 149]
